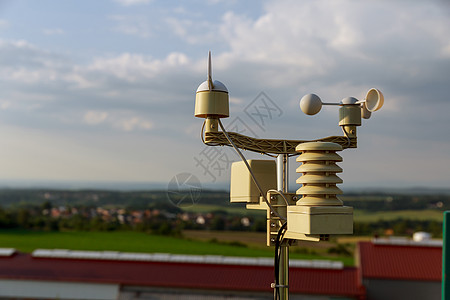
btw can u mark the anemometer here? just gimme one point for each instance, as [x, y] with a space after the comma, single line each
[315, 211]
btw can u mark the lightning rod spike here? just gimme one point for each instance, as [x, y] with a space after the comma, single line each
[210, 82]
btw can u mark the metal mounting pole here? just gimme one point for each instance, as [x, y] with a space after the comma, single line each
[282, 186]
[282, 173]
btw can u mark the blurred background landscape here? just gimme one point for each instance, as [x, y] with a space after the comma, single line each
[148, 221]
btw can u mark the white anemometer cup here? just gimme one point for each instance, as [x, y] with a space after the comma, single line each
[311, 104]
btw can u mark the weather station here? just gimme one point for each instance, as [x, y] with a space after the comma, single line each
[314, 212]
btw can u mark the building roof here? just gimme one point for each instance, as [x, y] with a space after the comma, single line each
[400, 261]
[180, 258]
[22, 266]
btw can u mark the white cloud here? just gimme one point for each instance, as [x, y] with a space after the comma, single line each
[123, 121]
[132, 68]
[133, 123]
[446, 51]
[23, 62]
[4, 24]
[194, 31]
[132, 2]
[53, 31]
[179, 27]
[79, 80]
[5, 105]
[237, 101]
[132, 25]
[313, 34]
[95, 117]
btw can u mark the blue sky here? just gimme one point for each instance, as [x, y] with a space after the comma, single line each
[104, 90]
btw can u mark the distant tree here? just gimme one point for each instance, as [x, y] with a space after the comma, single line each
[217, 223]
[236, 224]
[400, 227]
[260, 225]
[340, 249]
[97, 224]
[6, 220]
[39, 222]
[46, 205]
[166, 206]
[23, 218]
[435, 228]
[75, 222]
[164, 229]
[52, 224]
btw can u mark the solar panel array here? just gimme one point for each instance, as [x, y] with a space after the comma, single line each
[180, 258]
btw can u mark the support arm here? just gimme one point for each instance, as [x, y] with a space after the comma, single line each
[271, 146]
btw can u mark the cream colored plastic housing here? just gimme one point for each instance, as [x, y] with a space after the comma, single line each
[319, 219]
[319, 211]
[350, 115]
[319, 177]
[212, 104]
[211, 98]
[242, 187]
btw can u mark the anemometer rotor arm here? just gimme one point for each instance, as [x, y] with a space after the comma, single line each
[311, 104]
[270, 146]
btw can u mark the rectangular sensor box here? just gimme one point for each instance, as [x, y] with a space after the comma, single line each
[320, 219]
[242, 187]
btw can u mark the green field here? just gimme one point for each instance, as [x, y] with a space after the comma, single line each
[359, 215]
[124, 241]
[231, 209]
[421, 215]
[27, 241]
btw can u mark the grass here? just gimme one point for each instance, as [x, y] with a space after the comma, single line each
[27, 241]
[422, 215]
[359, 215]
[231, 209]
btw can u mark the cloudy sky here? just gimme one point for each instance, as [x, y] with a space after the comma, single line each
[104, 90]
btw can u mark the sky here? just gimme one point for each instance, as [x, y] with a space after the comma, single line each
[103, 91]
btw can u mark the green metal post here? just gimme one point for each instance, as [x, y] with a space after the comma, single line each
[446, 256]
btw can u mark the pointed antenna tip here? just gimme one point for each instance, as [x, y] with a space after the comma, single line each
[210, 82]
